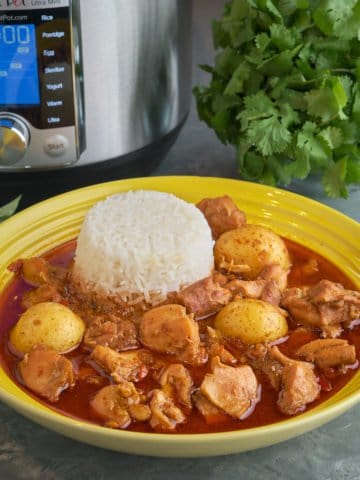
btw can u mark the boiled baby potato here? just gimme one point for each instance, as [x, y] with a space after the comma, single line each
[252, 245]
[252, 321]
[48, 323]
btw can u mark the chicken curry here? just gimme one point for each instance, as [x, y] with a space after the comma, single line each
[254, 343]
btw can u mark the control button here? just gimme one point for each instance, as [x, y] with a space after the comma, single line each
[14, 139]
[57, 34]
[47, 18]
[54, 86]
[51, 120]
[54, 69]
[54, 103]
[56, 145]
[49, 53]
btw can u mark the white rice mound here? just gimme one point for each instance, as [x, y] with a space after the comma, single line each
[141, 245]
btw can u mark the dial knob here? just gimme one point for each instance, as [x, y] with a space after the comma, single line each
[14, 139]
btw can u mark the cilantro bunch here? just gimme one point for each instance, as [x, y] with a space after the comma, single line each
[285, 90]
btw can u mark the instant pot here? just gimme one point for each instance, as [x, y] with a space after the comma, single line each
[90, 90]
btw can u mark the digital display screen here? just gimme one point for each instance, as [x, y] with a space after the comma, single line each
[19, 81]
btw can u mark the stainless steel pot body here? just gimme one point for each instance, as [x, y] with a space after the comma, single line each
[128, 83]
[137, 72]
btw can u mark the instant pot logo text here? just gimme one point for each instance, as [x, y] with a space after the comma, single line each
[12, 3]
[29, 3]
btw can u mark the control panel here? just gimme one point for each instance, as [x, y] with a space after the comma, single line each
[40, 85]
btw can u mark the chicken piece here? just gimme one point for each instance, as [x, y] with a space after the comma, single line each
[258, 356]
[111, 331]
[268, 291]
[110, 405]
[246, 288]
[219, 278]
[310, 267]
[328, 353]
[232, 389]
[299, 306]
[326, 291]
[117, 404]
[178, 377]
[271, 293]
[205, 407]
[267, 286]
[274, 273]
[169, 329]
[140, 412]
[299, 385]
[204, 297]
[126, 366]
[221, 214]
[331, 331]
[216, 348]
[323, 305]
[44, 293]
[165, 415]
[35, 271]
[295, 380]
[47, 373]
[211, 414]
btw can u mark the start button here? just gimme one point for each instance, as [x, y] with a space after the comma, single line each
[56, 145]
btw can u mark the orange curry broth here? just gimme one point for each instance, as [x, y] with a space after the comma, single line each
[75, 402]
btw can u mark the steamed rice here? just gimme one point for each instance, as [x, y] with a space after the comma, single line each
[141, 245]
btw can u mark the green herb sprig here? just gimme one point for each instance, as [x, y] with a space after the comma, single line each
[285, 90]
[9, 209]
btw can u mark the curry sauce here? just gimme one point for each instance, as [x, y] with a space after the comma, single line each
[308, 268]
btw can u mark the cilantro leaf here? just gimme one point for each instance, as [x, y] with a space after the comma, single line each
[269, 6]
[252, 166]
[262, 41]
[353, 170]
[339, 18]
[269, 135]
[9, 209]
[346, 83]
[237, 23]
[268, 178]
[328, 101]
[236, 82]
[289, 115]
[256, 106]
[282, 37]
[226, 62]
[289, 7]
[333, 136]
[309, 141]
[275, 166]
[334, 179]
[279, 64]
[300, 166]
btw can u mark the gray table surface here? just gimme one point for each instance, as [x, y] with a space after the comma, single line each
[28, 451]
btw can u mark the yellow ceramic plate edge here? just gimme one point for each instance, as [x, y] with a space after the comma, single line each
[260, 202]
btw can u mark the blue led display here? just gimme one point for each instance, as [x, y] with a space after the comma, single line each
[19, 81]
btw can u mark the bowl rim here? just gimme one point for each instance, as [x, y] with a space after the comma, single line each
[305, 419]
[47, 416]
[192, 179]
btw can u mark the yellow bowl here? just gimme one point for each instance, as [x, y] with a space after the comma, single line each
[49, 223]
